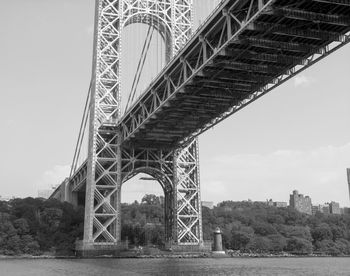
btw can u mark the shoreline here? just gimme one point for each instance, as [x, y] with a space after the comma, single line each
[175, 256]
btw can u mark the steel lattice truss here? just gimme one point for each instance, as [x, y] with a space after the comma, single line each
[110, 163]
[189, 222]
[177, 172]
[245, 49]
[159, 165]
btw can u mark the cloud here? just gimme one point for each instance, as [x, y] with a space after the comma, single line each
[302, 80]
[54, 176]
[319, 173]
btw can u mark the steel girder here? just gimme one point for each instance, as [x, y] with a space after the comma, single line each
[178, 173]
[110, 162]
[188, 229]
[78, 179]
[268, 41]
[158, 164]
[198, 53]
[193, 92]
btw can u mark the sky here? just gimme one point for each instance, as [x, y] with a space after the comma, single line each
[295, 137]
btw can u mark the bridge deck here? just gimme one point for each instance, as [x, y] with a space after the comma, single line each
[245, 49]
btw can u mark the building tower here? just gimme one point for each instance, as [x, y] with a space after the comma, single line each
[300, 203]
[109, 162]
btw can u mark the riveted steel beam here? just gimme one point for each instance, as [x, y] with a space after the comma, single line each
[315, 17]
[334, 2]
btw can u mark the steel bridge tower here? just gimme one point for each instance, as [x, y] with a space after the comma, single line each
[110, 161]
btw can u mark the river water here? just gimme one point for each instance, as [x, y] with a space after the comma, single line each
[207, 266]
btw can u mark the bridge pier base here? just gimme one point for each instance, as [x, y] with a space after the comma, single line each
[204, 247]
[88, 250]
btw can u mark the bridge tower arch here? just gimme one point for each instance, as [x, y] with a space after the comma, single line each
[110, 162]
[164, 178]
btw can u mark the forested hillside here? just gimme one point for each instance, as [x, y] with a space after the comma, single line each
[35, 226]
[249, 227]
[257, 227]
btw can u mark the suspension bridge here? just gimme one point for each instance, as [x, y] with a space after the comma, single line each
[243, 50]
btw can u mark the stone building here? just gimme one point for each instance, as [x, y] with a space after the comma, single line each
[316, 208]
[300, 202]
[322, 208]
[279, 204]
[334, 208]
[328, 208]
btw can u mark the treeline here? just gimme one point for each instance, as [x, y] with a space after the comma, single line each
[246, 226]
[37, 226]
[256, 227]
[143, 223]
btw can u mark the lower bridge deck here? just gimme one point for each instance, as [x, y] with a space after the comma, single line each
[244, 50]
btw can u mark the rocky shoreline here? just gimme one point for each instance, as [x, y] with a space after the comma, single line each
[178, 256]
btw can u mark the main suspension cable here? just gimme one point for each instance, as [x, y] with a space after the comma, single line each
[81, 132]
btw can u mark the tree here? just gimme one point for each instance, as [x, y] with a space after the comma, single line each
[263, 228]
[299, 245]
[9, 240]
[21, 225]
[338, 231]
[322, 232]
[150, 199]
[142, 223]
[260, 244]
[239, 239]
[297, 231]
[278, 242]
[343, 246]
[31, 226]
[324, 246]
[208, 222]
[29, 245]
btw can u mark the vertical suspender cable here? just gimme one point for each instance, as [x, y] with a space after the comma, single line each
[140, 65]
[143, 63]
[157, 69]
[161, 50]
[137, 70]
